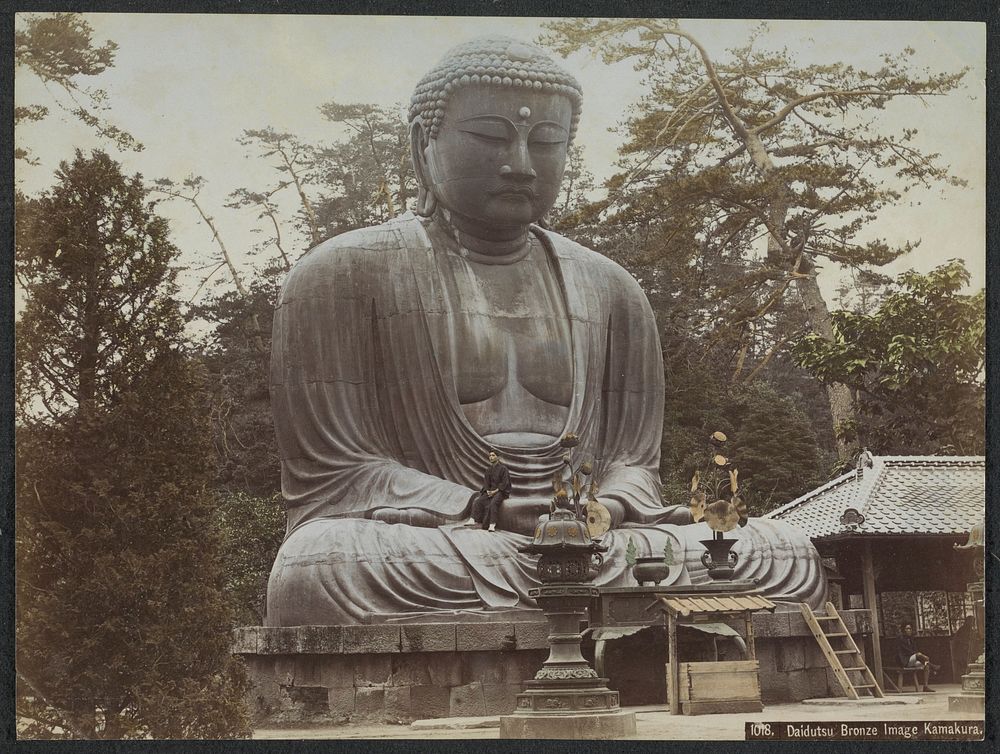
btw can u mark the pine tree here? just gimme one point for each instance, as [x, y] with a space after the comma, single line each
[122, 617]
[754, 148]
[59, 48]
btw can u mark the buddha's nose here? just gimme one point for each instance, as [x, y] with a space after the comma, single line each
[519, 166]
[507, 171]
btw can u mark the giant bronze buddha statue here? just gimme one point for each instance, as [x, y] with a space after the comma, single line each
[404, 353]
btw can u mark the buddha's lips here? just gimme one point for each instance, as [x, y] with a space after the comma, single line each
[525, 191]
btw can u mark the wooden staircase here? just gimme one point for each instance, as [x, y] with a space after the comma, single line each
[849, 652]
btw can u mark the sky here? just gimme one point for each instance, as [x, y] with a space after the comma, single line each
[187, 86]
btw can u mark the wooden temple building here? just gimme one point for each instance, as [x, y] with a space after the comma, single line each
[891, 526]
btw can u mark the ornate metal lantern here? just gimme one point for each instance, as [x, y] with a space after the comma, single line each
[568, 553]
[972, 698]
[566, 698]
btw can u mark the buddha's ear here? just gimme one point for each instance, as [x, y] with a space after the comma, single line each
[426, 201]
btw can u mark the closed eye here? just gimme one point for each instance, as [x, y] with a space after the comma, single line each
[547, 142]
[489, 138]
[548, 134]
[486, 130]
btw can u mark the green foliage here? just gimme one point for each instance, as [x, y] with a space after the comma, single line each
[296, 164]
[668, 553]
[917, 365]
[577, 183]
[367, 177]
[57, 48]
[771, 442]
[243, 437]
[96, 263]
[631, 552]
[122, 615]
[741, 174]
[254, 528]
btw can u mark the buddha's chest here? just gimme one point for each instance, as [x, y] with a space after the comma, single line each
[506, 330]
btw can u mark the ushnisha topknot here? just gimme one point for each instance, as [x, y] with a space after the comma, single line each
[494, 61]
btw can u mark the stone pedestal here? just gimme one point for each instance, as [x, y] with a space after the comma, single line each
[973, 695]
[566, 699]
[619, 724]
[326, 675]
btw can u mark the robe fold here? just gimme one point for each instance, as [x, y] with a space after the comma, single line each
[367, 417]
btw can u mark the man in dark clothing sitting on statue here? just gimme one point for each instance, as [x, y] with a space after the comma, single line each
[496, 489]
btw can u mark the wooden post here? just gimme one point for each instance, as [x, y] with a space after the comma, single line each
[871, 602]
[673, 683]
[751, 646]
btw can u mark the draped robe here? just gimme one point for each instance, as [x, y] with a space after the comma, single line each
[367, 417]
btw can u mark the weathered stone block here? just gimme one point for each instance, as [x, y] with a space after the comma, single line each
[817, 683]
[341, 703]
[797, 625]
[531, 635]
[773, 686]
[588, 727]
[833, 687]
[791, 656]
[408, 670]
[814, 657]
[265, 691]
[369, 702]
[766, 625]
[396, 703]
[337, 671]
[372, 670]
[319, 639]
[260, 670]
[432, 637]
[285, 670]
[798, 684]
[522, 665]
[484, 667]
[309, 700]
[277, 641]
[308, 670]
[246, 640]
[468, 701]
[500, 699]
[444, 669]
[285, 704]
[485, 636]
[370, 639]
[429, 702]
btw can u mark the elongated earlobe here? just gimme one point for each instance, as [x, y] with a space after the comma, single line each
[426, 201]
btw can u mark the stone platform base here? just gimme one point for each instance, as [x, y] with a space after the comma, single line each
[318, 675]
[605, 726]
[967, 703]
[972, 698]
[322, 675]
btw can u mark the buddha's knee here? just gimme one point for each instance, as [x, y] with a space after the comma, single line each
[409, 516]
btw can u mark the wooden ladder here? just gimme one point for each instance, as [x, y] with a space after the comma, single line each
[849, 652]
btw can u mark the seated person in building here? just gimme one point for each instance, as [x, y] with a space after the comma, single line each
[403, 352]
[910, 658]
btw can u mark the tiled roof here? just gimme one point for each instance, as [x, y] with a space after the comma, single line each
[896, 495]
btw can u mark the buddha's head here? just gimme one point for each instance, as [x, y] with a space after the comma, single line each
[490, 126]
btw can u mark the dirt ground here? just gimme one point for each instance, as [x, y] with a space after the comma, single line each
[656, 723]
